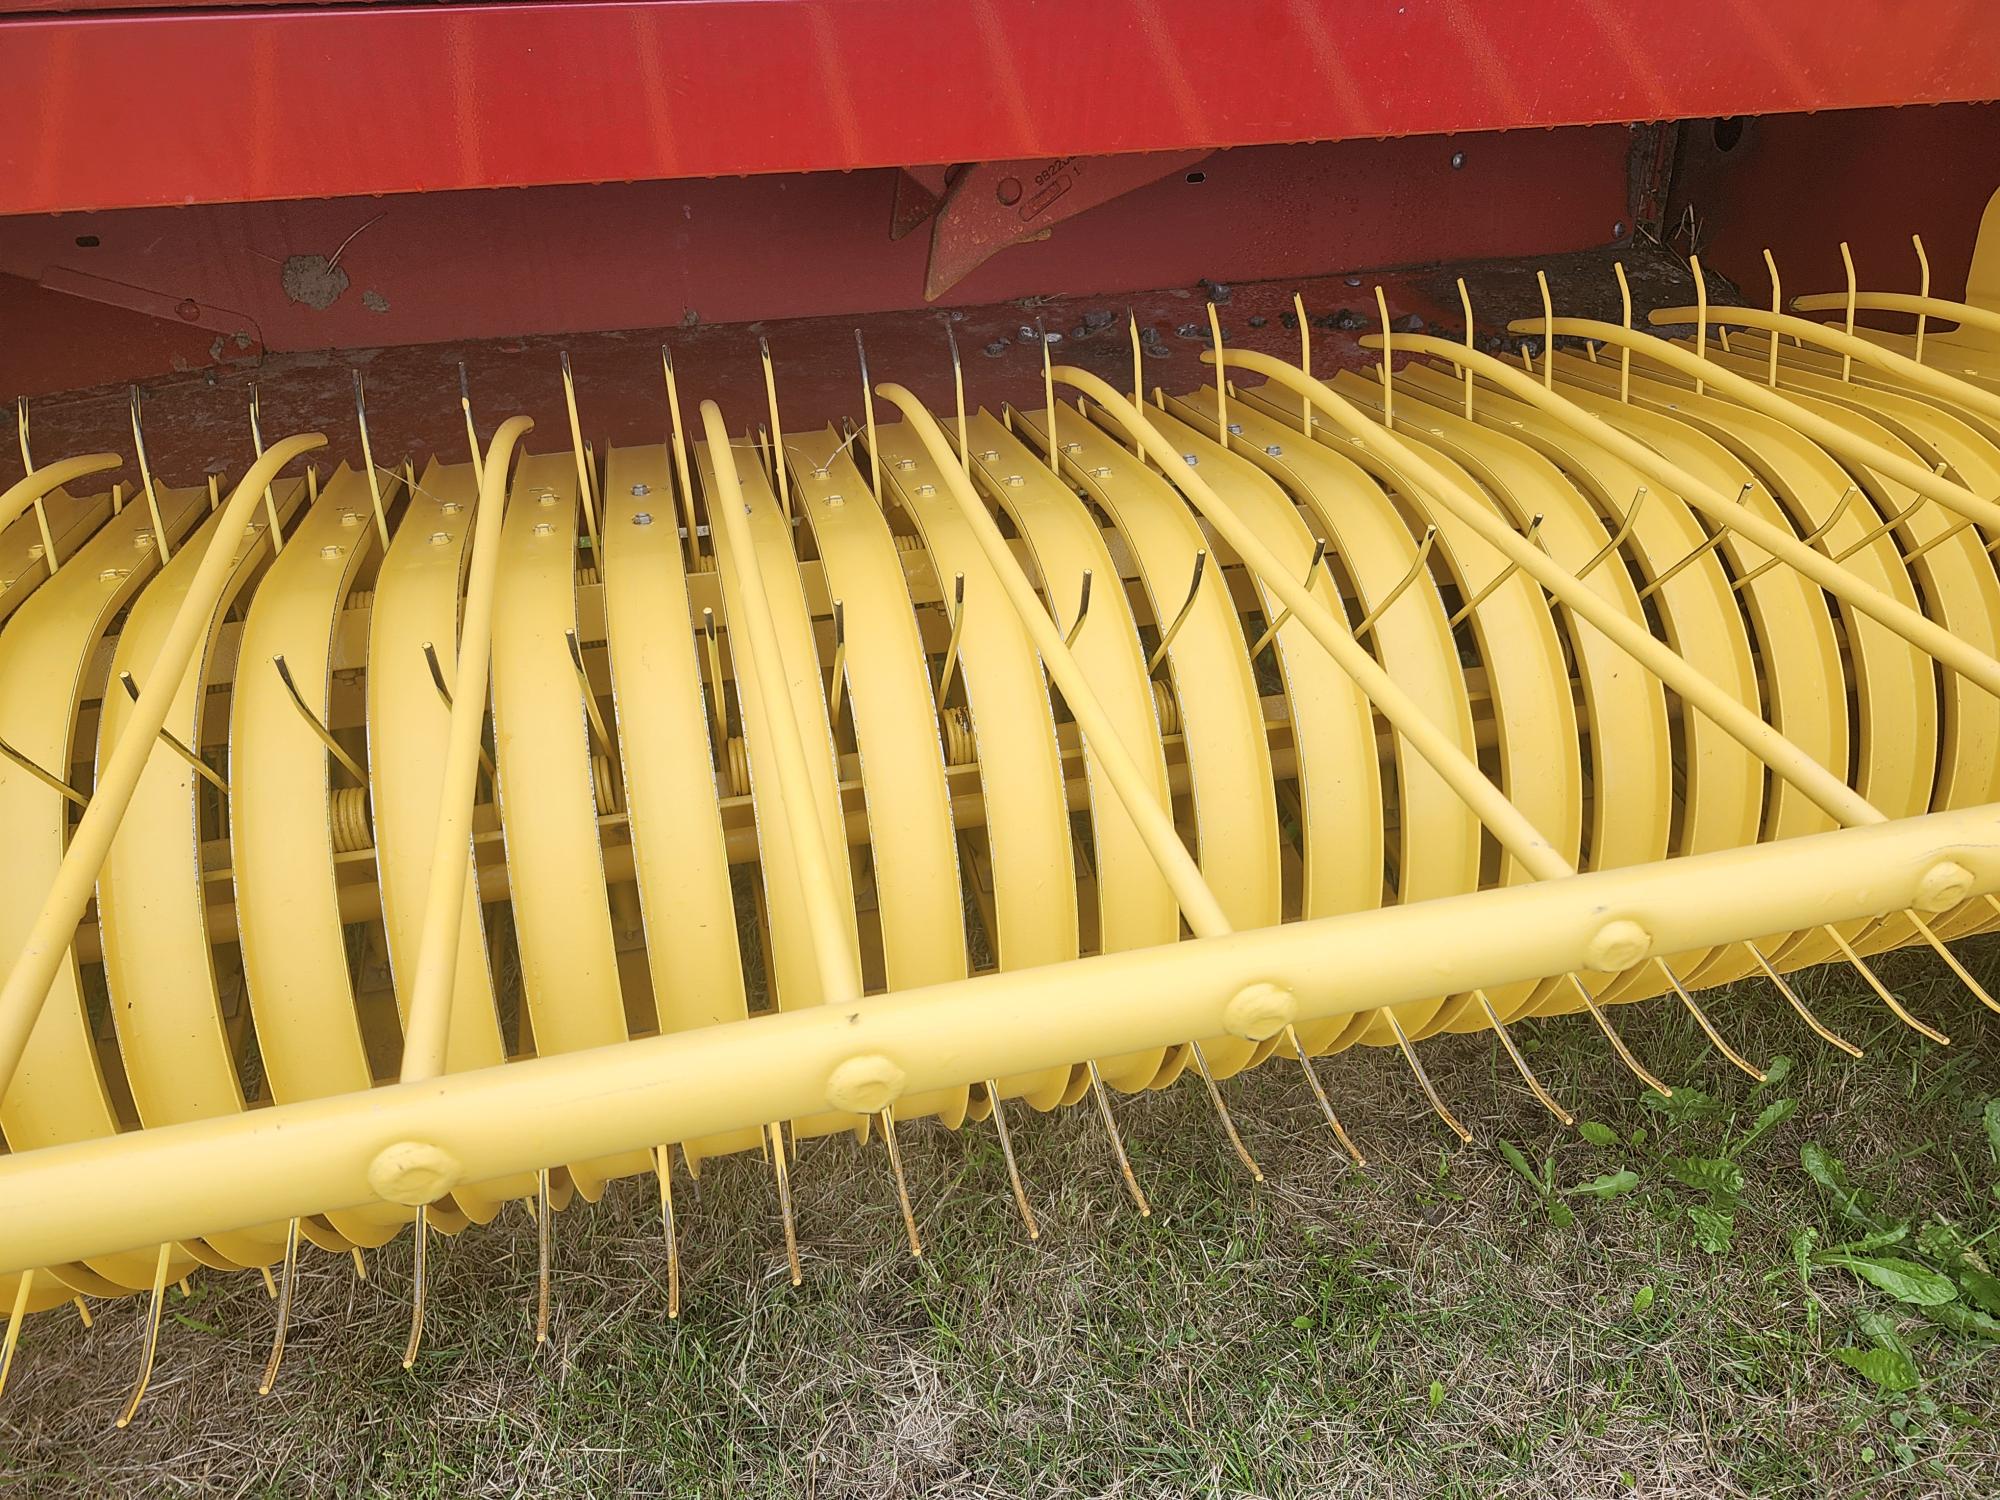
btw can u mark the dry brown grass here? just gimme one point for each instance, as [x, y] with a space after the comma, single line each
[1418, 1329]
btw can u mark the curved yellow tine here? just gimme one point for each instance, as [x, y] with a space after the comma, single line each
[888, 1120]
[1228, 1125]
[663, 1168]
[1423, 1078]
[417, 1254]
[1521, 1063]
[1708, 1026]
[1007, 1155]
[1819, 1028]
[1319, 1094]
[777, 1140]
[1625, 1053]
[1882, 991]
[152, 1339]
[286, 1284]
[1117, 1141]
[21, 1290]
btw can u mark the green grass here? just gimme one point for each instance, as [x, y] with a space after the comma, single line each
[1455, 1320]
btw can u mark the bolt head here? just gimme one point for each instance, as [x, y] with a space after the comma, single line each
[643, 518]
[413, 1172]
[865, 1085]
[1617, 946]
[1260, 1010]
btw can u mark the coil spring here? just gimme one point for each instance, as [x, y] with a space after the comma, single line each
[351, 827]
[736, 767]
[960, 749]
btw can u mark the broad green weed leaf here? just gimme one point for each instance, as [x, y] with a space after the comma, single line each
[1519, 1163]
[1904, 1280]
[1711, 1174]
[1610, 1185]
[1713, 1227]
[1886, 1368]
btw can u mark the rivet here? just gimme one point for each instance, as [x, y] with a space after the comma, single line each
[906, 464]
[1015, 481]
[1190, 459]
[926, 489]
[439, 538]
[450, 507]
[989, 455]
[642, 489]
[1275, 450]
[1102, 471]
[643, 518]
[543, 528]
[835, 499]
[1236, 429]
[112, 575]
[330, 552]
[545, 497]
[350, 518]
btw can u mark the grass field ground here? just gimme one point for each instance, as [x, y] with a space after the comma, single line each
[1746, 1290]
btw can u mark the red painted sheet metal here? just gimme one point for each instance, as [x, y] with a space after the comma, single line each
[429, 267]
[123, 108]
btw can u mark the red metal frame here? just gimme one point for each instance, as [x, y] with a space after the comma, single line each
[115, 107]
[432, 267]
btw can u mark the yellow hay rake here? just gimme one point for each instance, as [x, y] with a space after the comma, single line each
[388, 845]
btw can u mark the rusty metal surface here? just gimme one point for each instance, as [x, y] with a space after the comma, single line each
[994, 204]
[197, 422]
[438, 267]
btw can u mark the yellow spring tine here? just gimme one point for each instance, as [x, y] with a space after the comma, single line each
[1007, 1154]
[1882, 991]
[21, 1290]
[1611, 1035]
[286, 1286]
[1521, 1063]
[887, 1117]
[1228, 1125]
[1117, 1141]
[1325, 1104]
[1708, 1026]
[151, 1341]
